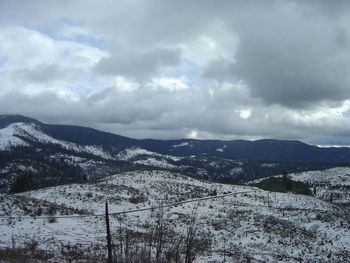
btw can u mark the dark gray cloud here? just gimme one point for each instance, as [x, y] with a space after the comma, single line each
[288, 58]
[220, 69]
[333, 9]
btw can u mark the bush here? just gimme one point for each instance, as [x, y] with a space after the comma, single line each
[31, 244]
[52, 219]
[136, 199]
[39, 211]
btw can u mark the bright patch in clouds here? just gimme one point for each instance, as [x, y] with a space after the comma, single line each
[245, 113]
[192, 135]
[170, 84]
[124, 84]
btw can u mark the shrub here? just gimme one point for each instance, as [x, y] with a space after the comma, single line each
[52, 219]
[136, 199]
[31, 244]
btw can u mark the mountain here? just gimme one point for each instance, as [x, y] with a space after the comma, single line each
[35, 154]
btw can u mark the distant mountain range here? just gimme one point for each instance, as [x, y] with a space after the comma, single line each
[54, 154]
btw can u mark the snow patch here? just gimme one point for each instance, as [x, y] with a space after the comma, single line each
[269, 165]
[183, 144]
[131, 153]
[236, 170]
[156, 163]
[9, 139]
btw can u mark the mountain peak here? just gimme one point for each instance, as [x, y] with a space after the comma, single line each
[6, 120]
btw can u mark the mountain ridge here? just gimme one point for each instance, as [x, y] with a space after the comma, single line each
[75, 153]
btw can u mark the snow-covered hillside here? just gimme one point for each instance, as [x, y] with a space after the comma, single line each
[330, 185]
[8, 138]
[339, 176]
[148, 158]
[25, 134]
[26, 149]
[238, 223]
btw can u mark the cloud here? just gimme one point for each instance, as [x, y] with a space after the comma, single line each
[47, 73]
[287, 58]
[172, 69]
[168, 84]
[134, 64]
[324, 7]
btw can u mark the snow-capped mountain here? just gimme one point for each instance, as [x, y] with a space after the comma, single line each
[55, 154]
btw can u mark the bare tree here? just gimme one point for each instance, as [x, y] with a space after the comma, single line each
[160, 232]
[196, 242]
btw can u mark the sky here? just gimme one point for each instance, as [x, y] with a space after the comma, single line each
[165, 69]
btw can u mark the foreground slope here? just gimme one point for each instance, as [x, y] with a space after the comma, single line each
[239, 223]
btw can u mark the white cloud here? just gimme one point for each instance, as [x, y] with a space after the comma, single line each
[169, 84]
[36, 62]
[217, 43]
[26, 48]
[124, 84]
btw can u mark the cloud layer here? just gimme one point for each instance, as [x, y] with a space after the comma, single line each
[173, 69]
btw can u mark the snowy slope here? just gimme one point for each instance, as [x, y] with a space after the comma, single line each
[245, 223]
[144, 157]
[326, 184]
[133, 152]
[22, 134]
[330, 177]
[8, 138]
[332, 184]
[202, 167]
[25, 148]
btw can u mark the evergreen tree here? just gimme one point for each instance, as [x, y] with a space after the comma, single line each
[23, 183]
[287, 183]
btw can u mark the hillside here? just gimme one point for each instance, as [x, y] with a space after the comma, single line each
[332, 185]
[57, 154]
[234, 222]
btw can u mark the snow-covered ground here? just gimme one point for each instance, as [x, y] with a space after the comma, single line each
[326, 184]
[245, 222]
[331, 177]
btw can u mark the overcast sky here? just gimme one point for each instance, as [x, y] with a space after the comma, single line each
[205, 69]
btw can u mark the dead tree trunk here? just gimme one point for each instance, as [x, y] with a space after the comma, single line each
[109, 239]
